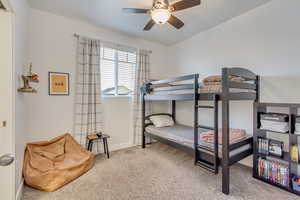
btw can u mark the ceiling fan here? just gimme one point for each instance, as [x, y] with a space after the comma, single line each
[161, 12]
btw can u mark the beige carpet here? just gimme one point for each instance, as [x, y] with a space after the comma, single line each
[158, 172]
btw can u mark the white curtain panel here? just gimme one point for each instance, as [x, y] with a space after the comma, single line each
[142, 74]
[88, 112]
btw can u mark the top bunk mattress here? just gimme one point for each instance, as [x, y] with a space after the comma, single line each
[210, 84]
[185, 135]
[204, 89]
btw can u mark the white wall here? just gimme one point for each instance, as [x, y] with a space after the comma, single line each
[53, 48]
[21, 10]
[265, 40]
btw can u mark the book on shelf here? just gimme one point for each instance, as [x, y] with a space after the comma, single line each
[270, 147]
[263, 146]
[274, 172]
[295, 153]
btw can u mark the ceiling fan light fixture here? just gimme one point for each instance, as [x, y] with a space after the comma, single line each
[160, 16]
[162, 11]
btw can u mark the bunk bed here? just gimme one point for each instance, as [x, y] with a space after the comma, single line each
[188, 88]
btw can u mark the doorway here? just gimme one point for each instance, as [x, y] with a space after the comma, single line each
[7, 104]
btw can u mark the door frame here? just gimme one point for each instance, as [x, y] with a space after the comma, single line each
[8, 8]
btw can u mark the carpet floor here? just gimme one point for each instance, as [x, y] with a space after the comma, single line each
[158, 172]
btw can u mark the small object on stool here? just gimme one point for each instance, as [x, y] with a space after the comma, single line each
[92, 137]
[98, 136]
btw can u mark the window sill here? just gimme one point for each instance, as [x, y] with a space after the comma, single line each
[116, 97]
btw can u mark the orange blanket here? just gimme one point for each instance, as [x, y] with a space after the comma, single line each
[234, 136]
[52, 164]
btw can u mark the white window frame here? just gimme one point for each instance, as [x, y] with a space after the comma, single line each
[116, 70]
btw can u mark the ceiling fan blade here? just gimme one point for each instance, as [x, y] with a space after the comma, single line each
[135, 10]
[174, 21]
[149, 25]
[2, 6]
[184, 4]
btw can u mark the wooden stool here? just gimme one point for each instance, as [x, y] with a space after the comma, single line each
[91, 138]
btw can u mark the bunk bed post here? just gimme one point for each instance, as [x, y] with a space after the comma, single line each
[196, 97]
[216, 132]
[257, 83]
[143, 120]
[174, 110]
[256, 110]
[225, 131]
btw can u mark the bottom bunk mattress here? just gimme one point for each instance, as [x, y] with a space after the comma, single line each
[184, 135]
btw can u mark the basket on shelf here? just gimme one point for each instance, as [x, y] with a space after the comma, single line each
[296, 183]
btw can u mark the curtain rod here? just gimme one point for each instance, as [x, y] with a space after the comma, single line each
[149, 51]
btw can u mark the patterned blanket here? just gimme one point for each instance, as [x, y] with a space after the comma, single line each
[234, 136]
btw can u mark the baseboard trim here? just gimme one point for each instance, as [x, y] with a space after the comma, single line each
[116, 147]
[19, 194]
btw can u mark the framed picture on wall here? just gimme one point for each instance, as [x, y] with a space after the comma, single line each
[58, 83]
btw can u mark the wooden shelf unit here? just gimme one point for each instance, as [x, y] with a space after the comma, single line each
[259, 133]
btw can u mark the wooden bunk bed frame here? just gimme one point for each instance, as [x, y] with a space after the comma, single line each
[205, 158]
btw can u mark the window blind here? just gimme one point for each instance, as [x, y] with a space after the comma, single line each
[117, 71]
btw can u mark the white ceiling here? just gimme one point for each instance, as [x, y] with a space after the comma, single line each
[108, 13]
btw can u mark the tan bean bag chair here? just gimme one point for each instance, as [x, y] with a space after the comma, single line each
[52, 164]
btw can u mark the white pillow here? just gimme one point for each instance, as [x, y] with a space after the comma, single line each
[162, 121]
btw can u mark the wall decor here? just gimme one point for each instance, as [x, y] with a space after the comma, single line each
[29, 78]
[58, 83]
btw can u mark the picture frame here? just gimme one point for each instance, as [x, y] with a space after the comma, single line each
[59, 83]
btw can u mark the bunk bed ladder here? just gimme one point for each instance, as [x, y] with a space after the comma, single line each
[208, 166]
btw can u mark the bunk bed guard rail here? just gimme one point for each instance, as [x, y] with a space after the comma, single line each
[166, 84]
[250, 81]
[244, 74]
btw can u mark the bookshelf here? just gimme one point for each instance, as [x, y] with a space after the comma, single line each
[292, 139]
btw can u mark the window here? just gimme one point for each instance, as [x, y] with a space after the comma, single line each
[117, 71]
